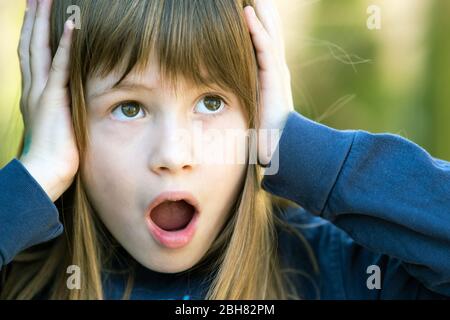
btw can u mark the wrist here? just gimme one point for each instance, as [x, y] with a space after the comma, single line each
[268, 140]
[52, 185]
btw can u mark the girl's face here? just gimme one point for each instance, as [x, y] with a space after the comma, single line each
[142, 137]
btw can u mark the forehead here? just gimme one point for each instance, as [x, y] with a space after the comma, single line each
[97, 84]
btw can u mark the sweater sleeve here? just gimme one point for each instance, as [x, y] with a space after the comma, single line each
[387, 193]
[27, 215]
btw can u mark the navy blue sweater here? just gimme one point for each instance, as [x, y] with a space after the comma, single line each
[367, 203]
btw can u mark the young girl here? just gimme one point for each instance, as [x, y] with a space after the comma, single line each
[346, 215]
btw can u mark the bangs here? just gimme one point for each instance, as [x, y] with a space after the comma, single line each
[203, 42]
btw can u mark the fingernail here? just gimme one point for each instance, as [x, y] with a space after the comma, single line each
[29, 2]
[68, 25]
[252, 10]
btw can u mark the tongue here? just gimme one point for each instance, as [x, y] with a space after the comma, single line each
[172, 215]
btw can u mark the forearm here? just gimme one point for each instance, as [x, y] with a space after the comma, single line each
[27, 215]
[386, 192]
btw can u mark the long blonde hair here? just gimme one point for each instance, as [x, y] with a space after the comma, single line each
[188, 35]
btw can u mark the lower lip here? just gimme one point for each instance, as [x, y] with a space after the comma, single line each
[173, 239]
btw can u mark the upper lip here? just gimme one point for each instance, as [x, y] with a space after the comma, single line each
[174, 196]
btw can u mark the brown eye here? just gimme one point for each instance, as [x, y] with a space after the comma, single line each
[210, 105]
[213, 103]
[128, 111]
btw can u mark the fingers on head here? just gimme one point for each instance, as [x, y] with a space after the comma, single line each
[40, 54]
[59, 73]
[259, 34]
[23, 50]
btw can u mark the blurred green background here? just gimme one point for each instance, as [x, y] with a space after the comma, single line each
[392, 79]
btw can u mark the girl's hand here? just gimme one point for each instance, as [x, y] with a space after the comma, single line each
[50, 153]
[274, 76]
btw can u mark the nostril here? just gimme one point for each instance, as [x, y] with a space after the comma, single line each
[166, 169]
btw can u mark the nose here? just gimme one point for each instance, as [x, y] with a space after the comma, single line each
[171, 153]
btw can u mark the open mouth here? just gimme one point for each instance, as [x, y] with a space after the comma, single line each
[172, 215]
[172, 218]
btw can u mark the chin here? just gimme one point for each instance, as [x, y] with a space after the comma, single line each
[171, 263]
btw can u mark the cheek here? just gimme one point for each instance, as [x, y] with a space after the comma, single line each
[221, 186]
[111, 158]
[102, 166]
[224, 141]
[108, 178]
[111, 191]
